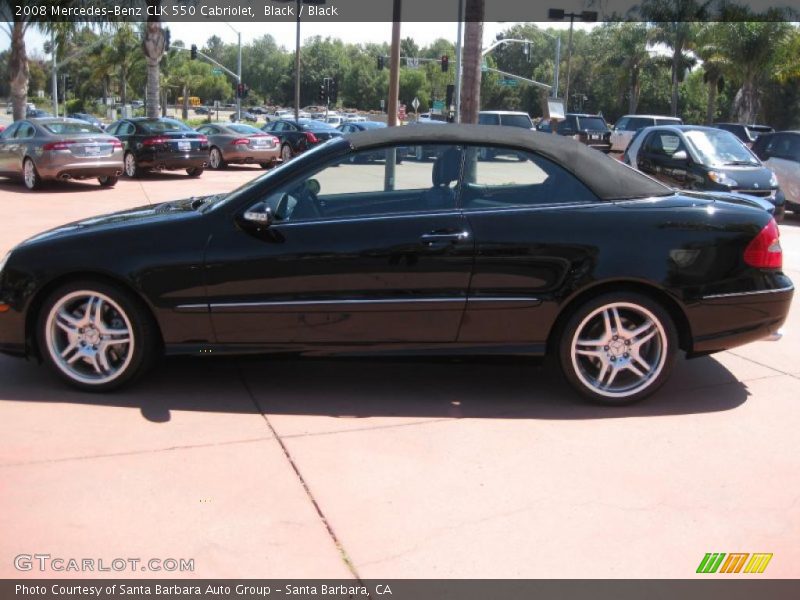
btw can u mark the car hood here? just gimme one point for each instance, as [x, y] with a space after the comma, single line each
[133, 217]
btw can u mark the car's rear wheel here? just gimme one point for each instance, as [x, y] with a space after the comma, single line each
[108, 180]
[215, 160]
[95, 336]
[195, 171]
[30, 176]
[618, 348]
[286, 153]
[131, 168]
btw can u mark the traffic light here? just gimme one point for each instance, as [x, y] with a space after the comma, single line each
[381, 63]
[323, 95]
[333, 91]
[445, 63]
[245, 90]
[449, 95]
[194, 51]
[240, 90]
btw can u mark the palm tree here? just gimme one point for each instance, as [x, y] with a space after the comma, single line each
[715, 64]
[750, 45]
[471, 62]
[153, 45]
[674, 24]
[631, 58]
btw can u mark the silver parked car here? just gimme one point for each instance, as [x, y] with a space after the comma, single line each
[42, 149]
[240, 143]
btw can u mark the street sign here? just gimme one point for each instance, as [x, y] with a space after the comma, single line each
[438, 105]
[216, 71]
[383, 103]
[509, 82]
[415, 103]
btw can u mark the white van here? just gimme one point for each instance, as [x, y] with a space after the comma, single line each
[627, 126]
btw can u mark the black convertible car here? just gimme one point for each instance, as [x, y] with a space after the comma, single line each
[556, 249]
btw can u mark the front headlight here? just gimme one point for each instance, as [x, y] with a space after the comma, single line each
[773, 180]
[722, 179]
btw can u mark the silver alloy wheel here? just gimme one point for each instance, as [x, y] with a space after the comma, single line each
[130, 165]
[215, 159]
[286, 153]
[29, 174]
[89, 337]
[619, 349]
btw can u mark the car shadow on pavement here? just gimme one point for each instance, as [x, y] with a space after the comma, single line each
[11, 186]
[474, 388]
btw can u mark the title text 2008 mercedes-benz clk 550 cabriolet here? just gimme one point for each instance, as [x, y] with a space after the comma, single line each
[546, 248]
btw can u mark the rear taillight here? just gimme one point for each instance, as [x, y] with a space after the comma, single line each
[154, 141]
[764, 251]
[241, 142]
[116, 144]
[311, 138]
[202, 139]
[62, 145]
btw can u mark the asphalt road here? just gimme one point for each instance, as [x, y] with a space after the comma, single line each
[264, 467]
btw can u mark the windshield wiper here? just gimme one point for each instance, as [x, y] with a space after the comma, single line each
[741, 162]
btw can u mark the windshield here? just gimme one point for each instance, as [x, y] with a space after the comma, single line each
[593, 123]
[718, 148]
[248, 129]
[165, 126]
[68, 127]
[666, 121]
[517, 121]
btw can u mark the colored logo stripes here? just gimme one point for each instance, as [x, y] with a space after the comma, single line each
[735, 562]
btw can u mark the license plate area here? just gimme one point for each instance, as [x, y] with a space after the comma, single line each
[184, 146]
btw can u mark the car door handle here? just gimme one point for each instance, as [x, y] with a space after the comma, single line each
[440, 237]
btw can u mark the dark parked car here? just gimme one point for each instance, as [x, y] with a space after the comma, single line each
[299, 136]
[37, 113]
[203, 110]
[88, 119]
[591, 130]
[781, 153]
[240, 143]
[747, 133]
[161, 145]
[38, 150]
[568, 252]
[704, 158]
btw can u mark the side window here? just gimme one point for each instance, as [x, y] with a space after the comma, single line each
[664, 143]
[206, 130]
[277, 126]
[371, 183]
[112, 129]
[638, 123]
[488, 119]
[9, 133]
[498, 178]
[25, 131]
[622, 124]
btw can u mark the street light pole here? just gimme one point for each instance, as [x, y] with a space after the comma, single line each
[558, 14]
[558, 64]
[239, 79]
[569, 62]
[55, 73]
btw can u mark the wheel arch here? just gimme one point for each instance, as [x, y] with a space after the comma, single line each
[669, 302]
[36, 303]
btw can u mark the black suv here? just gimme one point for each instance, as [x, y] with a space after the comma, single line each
[591, 130]
[747, 133]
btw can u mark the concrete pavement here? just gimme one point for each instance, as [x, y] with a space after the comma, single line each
[263, 467]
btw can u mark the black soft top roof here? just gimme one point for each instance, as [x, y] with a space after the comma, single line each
[608, 178]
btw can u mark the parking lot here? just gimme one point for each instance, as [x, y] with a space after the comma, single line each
[425, 468]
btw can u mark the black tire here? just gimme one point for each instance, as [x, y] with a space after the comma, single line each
[143, 331]
[266, 165]
[286, 153]
[30, 175]
[195, 171]
[625, 350]
[130, 168]
[221, 164]
[108, 180]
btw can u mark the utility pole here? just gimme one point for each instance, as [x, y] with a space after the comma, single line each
[394, 65]
[457, 92]
[54, 90]
[239, 80]
[569, 62]
[297, 68]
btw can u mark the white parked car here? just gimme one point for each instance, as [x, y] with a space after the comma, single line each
[627, 126]
[781, 152]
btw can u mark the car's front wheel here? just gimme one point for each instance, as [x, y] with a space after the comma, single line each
[96, 336]
[618, 348]
[194, 171]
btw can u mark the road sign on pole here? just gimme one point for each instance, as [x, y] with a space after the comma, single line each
[415, 103]
[216, 71]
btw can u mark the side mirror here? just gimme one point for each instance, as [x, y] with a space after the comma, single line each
[260, 214]
[680, 155]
